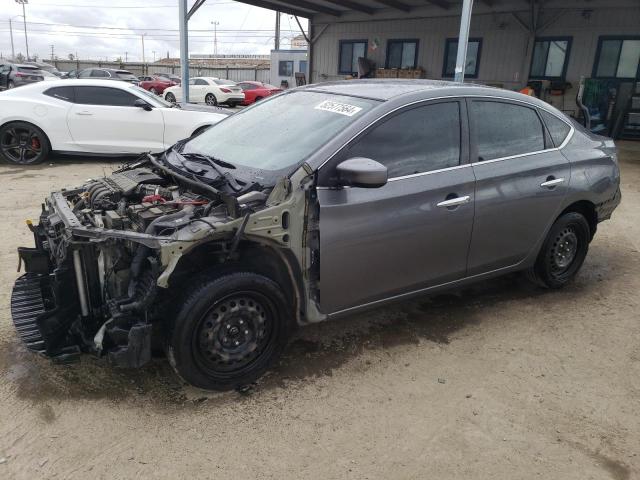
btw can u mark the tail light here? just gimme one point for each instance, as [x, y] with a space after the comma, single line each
[18, 74]
[225, 90]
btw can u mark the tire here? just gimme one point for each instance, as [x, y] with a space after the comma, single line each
[153, 90]
[563, 252]
[11, 84]
[229, 331]
[170, 97]
[210, 99]
[22, 143]
[257, 99]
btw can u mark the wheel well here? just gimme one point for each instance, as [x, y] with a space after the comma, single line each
[46, 137]
[587, 210]
[210, 259]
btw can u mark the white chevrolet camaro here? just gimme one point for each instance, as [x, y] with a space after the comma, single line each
[93, 117]
[210, 90]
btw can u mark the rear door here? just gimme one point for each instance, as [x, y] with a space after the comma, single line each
[521, 180]
[410, 234]
[104, 120]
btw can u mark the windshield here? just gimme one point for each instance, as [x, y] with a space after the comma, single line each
[280, 132]
[222, 81]
[151, 98]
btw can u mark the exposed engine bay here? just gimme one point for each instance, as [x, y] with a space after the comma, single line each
[98, 277]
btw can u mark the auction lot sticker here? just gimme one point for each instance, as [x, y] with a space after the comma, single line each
[336, 107]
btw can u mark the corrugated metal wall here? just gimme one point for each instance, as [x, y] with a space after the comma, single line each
[504, 41]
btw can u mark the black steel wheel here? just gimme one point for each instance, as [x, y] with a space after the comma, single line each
[11, 84]
[210, 99]
[563, 251]
[170, 97]
[229, 331]
[22, 143]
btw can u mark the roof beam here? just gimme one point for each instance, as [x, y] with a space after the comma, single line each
[277, 7]
[312, 6]
[441, 3]
[395, 4]
[353, 6]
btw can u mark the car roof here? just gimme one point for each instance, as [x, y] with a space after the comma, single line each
[387, 89]
[75, 82]
[24, 65]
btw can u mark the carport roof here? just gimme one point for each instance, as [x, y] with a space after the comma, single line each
[336, 8]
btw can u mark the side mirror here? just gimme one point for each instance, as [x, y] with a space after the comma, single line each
[142, 104]
[362, 172]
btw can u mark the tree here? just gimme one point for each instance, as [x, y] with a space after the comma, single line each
[71, 57]
[20, 58]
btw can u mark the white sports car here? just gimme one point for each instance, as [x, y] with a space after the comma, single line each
[96, 117]
[210, 90]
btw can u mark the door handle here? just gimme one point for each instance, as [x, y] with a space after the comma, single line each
[454, 202]
[84, 113]
[552, 182]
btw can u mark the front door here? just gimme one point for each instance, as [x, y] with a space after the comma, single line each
[104, 120]
[521, 180]
[4, 75]
[413, 232]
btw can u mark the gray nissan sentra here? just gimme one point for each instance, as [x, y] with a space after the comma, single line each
[310, 205]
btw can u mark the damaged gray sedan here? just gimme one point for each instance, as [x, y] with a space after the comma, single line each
[313, 204]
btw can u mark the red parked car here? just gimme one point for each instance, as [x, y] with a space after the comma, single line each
[155, 84]
[254, 91]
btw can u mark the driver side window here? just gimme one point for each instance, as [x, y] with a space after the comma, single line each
[416, 140]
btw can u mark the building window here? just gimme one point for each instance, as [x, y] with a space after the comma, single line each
[473, 58]
[402, 53]
[550, 58]
[285, 68]
[303, 66]
[350, 51]
[617, 57]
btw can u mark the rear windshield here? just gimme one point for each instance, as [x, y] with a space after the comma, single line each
[32, 70]
[126, 75]
[222, 81]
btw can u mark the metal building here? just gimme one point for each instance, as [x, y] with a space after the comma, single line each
[552, 43]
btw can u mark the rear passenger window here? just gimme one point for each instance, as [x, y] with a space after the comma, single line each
[557, 128]
[62, 93]
[505, 129]
[104, 96]
[417, 140]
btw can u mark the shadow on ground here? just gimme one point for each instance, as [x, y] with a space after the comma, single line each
[315, 351]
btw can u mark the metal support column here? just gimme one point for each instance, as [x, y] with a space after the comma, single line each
[463, 40]
[184, 50]
[277, 41]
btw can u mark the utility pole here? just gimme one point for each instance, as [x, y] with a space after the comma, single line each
[13, 51]
[126, 57]
[143, 60]
[463, 40]
[24, 17]
[277, 42]
[154, 56]
[184, 49]
[215, 38]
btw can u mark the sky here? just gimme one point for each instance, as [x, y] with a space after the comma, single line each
[108, 29]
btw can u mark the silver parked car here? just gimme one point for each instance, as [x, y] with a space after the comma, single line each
[344, 196]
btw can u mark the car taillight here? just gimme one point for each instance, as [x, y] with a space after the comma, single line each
[18, 74]
[225, 90]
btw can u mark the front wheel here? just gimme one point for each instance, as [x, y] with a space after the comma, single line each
[11, 84]
[23, 144]
[211, 99]
[229, 331]
[170, 97]
[563, 251]
[154, 91]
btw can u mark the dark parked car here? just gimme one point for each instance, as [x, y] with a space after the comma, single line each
[105, 74]
[344, 196]
[47, 68]
[14, 75]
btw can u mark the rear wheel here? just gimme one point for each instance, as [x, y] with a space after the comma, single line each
[23, 144]
[563, 251]
[210, 99]
[229, 331]
[170, 97]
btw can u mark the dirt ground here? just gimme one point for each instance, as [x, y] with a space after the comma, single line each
[498, 381]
